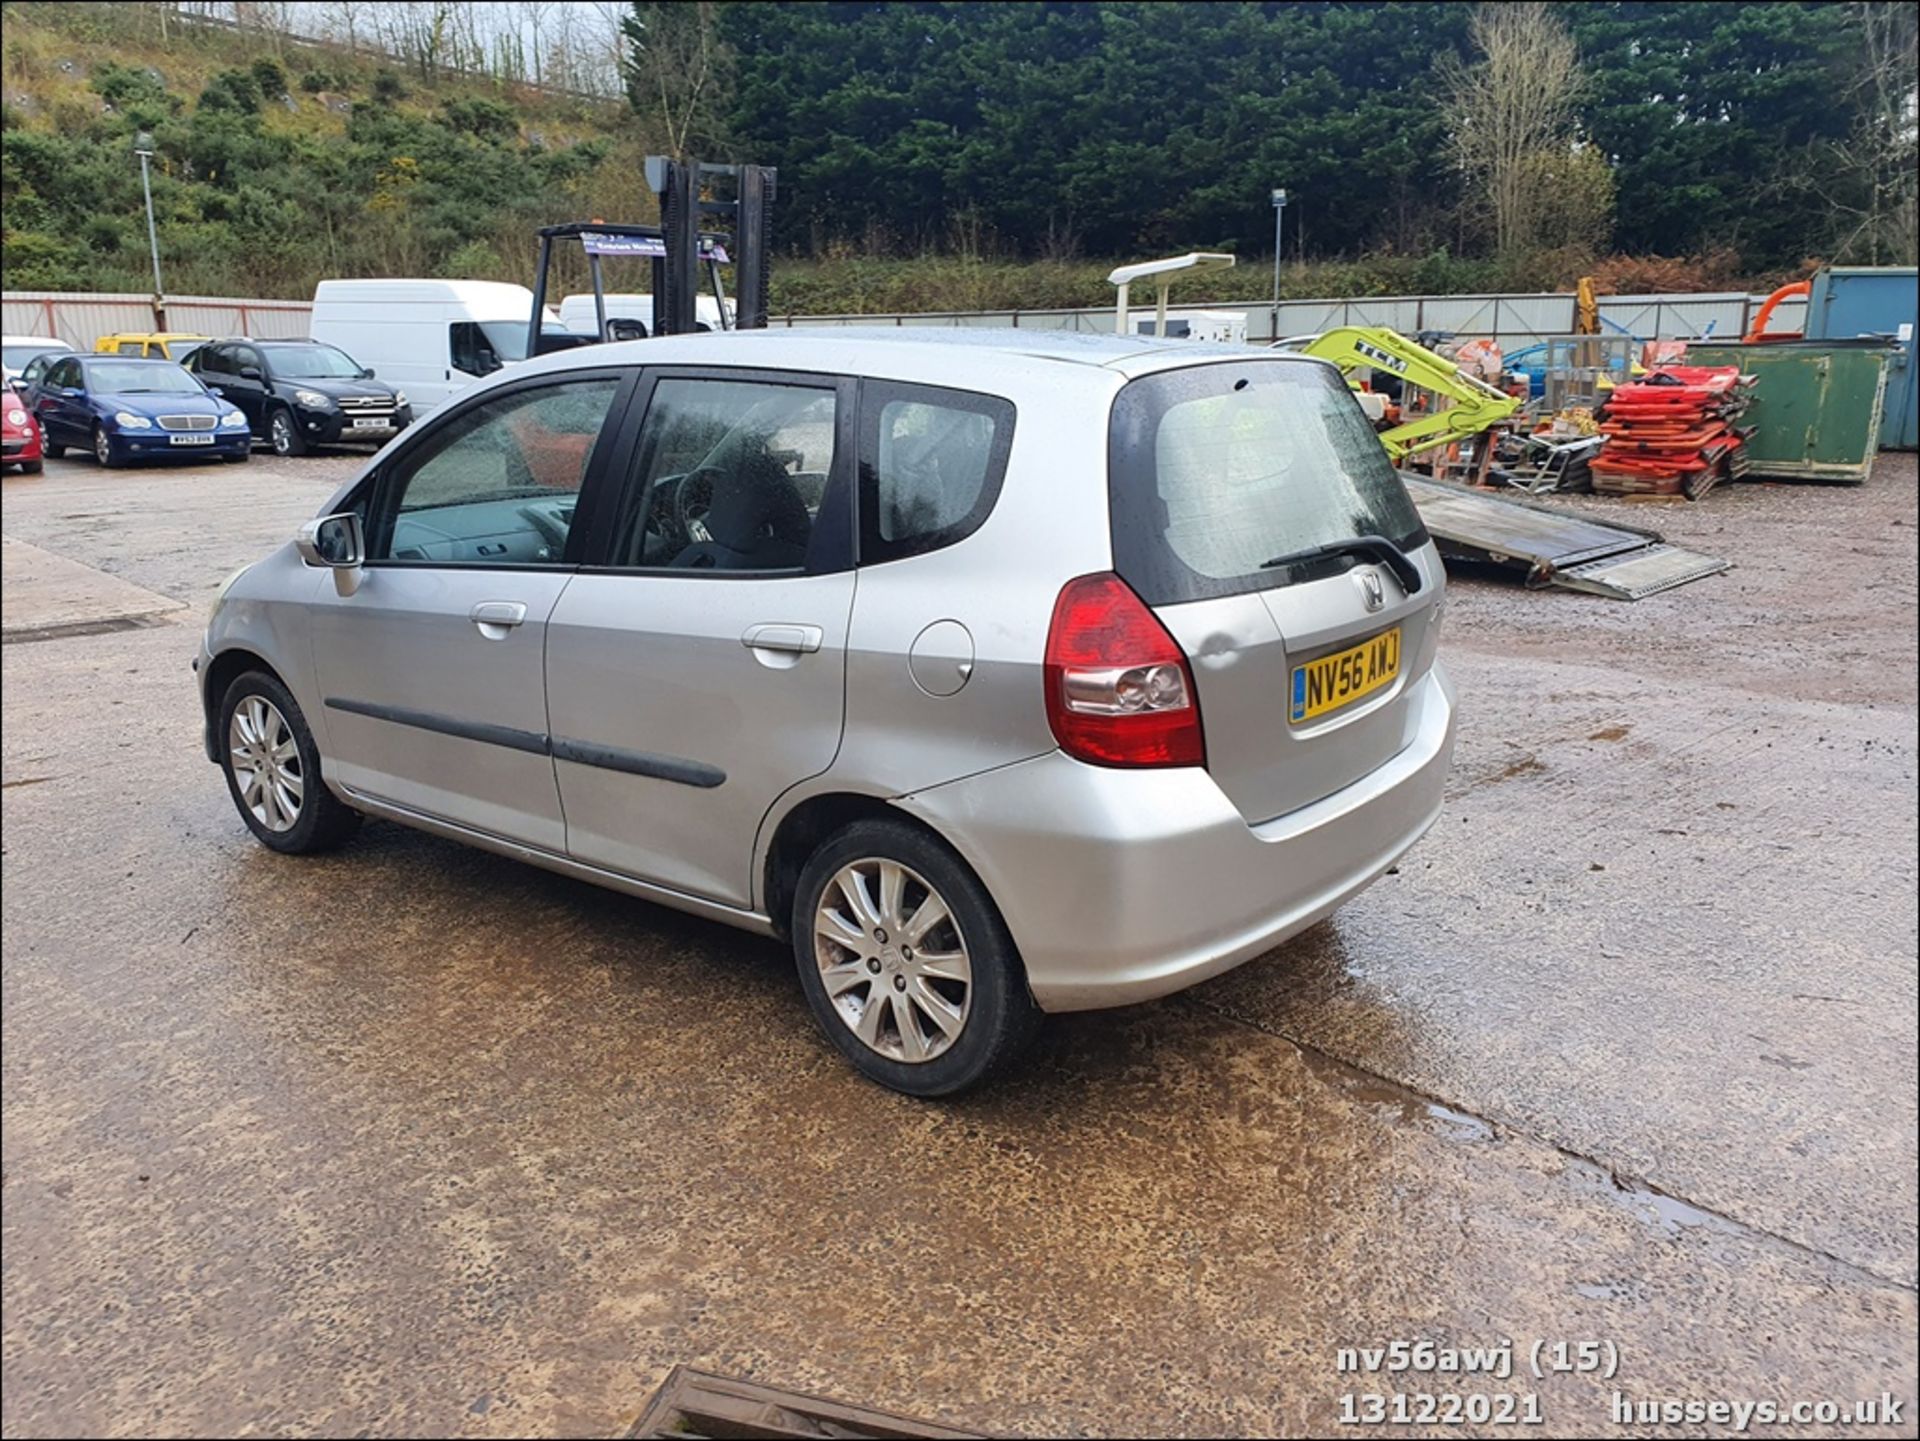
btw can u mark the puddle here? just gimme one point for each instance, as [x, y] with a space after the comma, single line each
[1397, 1103]
[1651, 1208]
[1604, 1290]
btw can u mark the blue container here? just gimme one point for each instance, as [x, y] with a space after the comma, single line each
[1850, 301]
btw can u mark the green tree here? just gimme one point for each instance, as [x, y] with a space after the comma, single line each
[677, 69]
[234, 91]
[1710, 114]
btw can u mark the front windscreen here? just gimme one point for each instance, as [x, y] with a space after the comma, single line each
[140, 377]
[311, 362]
[509, 337]
[18, 357]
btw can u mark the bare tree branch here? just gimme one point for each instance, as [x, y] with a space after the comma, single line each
[1511, 108]
[675, 65]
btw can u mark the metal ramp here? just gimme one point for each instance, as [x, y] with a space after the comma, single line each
[1554, 546]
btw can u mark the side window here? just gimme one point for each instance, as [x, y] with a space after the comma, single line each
[732, 475]
[495, 484]
[471, 350]
[131, 347]
[931, 462]
[211, 360]
[243, 356]
[64, 374]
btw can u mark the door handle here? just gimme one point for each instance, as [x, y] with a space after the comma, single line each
[497, 617]
[790, 639]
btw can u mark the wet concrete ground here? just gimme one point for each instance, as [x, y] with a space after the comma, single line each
[413, 1139]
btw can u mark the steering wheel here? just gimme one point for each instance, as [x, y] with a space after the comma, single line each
[551, 530]
[692, 499]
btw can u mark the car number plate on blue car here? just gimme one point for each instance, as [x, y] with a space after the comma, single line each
[191, 438]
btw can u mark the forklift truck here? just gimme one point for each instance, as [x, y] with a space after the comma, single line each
[678, 248]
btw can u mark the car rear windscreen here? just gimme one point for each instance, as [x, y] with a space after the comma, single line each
[1217, 469]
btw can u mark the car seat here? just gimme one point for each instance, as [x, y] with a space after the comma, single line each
[757, 521]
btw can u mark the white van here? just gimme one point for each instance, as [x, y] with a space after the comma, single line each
[430, 338]
[576, 313]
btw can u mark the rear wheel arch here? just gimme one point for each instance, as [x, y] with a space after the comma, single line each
[805, 828]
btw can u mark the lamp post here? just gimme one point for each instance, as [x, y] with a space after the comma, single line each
[143, 147]
[1279, 209]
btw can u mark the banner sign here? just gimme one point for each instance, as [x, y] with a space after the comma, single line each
[650, 246]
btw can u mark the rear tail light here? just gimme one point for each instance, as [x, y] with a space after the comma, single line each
[1119, 692]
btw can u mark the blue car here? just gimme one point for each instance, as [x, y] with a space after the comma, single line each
[125, 410]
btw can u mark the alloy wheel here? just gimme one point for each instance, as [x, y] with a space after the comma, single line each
[266, 763]
[102, 447]
[282, 430]
[892, 959]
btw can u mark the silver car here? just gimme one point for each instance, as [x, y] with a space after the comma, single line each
[1000, 673]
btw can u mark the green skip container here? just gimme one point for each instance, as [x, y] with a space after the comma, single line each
[1816, 404]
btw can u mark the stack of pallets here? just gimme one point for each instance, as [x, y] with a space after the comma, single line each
[1674, 433]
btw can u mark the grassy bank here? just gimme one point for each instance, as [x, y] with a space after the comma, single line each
[279, 164]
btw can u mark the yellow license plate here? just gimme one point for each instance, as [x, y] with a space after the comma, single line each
[1335, 680]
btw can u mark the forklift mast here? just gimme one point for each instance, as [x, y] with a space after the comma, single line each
[678, 248]
[680, 186]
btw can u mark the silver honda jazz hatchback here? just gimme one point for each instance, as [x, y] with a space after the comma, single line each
[1000, 673]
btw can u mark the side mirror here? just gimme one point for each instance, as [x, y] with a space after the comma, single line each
[250, 372]
[366, 372]
[336, 543]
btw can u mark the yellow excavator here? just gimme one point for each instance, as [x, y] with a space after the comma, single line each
[1475, 406]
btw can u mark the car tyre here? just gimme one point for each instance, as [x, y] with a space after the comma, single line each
[860, 908]
[272, 767]
[283, 433]
[103, 450]
[30, 467]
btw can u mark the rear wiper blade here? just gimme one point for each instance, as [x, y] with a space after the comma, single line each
[1374, 547]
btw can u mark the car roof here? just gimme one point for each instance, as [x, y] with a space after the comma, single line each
[395, 289]
[47, 340]
[980, 358]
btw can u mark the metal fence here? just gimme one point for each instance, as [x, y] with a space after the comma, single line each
[1513, 320]
[82, 317]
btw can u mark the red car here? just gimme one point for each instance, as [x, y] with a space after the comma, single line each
[20, 437]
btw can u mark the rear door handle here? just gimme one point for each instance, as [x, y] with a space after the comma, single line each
[496, 617]
[791, 639]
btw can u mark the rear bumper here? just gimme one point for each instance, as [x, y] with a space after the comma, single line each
[1120, 886]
